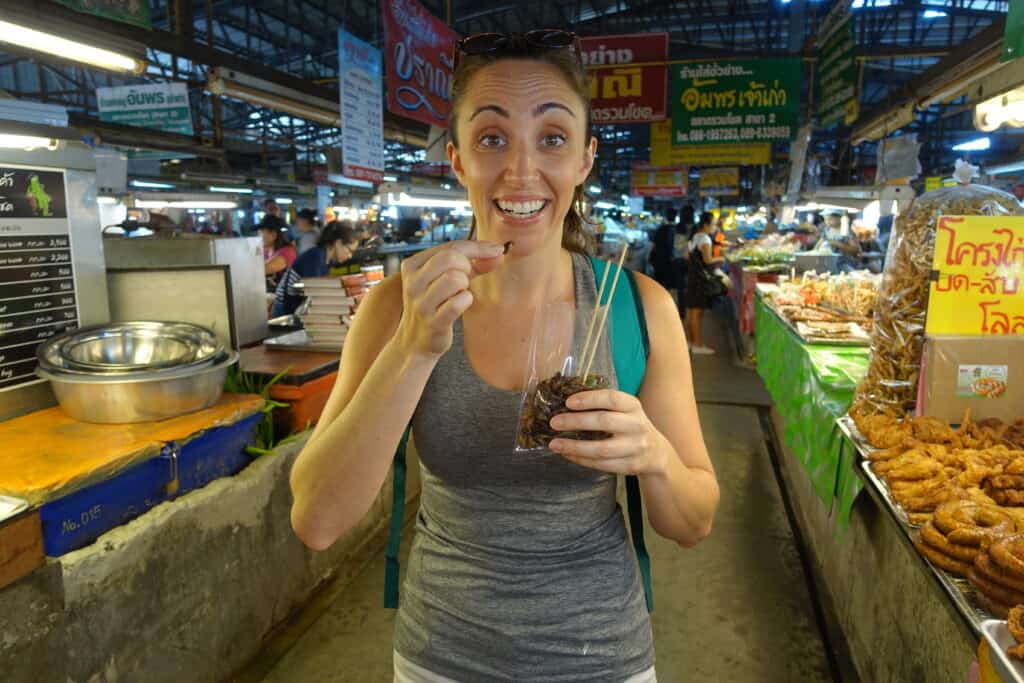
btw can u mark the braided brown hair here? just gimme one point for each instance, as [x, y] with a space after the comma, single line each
[575, 236]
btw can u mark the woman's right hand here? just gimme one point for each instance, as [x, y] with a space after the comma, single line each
[435, 292]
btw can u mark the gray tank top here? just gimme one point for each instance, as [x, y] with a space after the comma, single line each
[521, 567]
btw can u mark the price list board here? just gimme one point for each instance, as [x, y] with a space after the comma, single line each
[37, 284]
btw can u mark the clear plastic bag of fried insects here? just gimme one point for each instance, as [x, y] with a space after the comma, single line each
[897, 340]
[561, 364]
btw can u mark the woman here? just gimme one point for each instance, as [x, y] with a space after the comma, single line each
[336, 244]
[661, 253]
[308, 226]
[521, 568]
[701, 270]
[278, 253]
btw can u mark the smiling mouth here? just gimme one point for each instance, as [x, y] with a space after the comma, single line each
[521, 209]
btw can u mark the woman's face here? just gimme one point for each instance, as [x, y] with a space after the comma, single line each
[268, 237]
[523, 150]
[303, 225]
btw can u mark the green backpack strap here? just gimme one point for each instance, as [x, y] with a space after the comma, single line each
[630, 348]
[391, 565]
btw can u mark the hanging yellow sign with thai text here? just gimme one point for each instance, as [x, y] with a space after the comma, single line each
[976, 281]
[664, 153]
[720, 182]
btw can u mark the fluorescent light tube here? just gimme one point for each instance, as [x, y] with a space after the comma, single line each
[27, 142]
[230, 190]
[38, 41]
[145, 184]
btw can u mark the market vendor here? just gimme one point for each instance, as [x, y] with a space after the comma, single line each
[278, 252]
[335, 246]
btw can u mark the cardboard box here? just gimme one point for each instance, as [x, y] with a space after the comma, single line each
[982, 374]
[21, 546]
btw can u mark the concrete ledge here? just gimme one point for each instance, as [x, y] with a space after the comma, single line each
[187, 592]
[898, 623]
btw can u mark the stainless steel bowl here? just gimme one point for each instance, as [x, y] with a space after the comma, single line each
[130, 347]
[138, 397]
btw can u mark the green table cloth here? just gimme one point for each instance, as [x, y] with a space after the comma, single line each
[812, 386]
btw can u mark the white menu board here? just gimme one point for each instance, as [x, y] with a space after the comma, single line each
[362, 112]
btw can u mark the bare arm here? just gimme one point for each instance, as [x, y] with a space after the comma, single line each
[705, 251]
[682, 497]
[275, 265]
[657, 437]
[402, 329]
[339, 472]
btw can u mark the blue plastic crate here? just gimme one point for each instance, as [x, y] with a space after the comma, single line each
[78, 519]
[216, 453]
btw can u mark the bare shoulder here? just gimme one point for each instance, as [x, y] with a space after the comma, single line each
[658, 303]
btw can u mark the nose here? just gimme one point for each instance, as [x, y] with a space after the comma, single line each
[521, 167]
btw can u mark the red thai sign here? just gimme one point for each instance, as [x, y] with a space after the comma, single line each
[419, 50]
[621, 93]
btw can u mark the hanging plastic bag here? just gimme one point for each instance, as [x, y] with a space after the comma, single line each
[561, 364]
[897, 341]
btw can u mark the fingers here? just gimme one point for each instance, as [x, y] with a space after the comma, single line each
[444, 287]
[597, 421]
[616, 447]
[452, 309]
[604, 399]
[467, 249]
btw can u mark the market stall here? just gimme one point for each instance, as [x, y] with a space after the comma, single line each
[935, 434]
[134, 505]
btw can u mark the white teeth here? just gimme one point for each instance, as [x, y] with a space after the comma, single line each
[521, 208]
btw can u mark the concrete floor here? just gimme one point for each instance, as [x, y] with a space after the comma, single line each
[736, 608]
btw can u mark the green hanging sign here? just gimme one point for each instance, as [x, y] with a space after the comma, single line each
[837, 72]
[134, 12]
[1013, 39]
[735, 101]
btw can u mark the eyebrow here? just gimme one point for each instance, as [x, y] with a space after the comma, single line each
[539, 110]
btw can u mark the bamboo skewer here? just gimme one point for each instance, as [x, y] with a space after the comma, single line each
[593, 319]
[604, 313]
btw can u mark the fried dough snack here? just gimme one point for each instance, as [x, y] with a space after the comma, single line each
[1008, 553]
[931, 535]
[897, 339]
[966, 523]
[993, 572]
[941, 560]
[1015, 625]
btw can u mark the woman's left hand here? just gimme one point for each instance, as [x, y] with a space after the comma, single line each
[631, 448]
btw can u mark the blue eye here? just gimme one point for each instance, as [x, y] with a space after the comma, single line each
[554, 140]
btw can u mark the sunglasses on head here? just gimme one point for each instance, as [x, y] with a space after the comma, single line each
[496, 43]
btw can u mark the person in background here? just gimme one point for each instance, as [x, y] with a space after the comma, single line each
[679, 253]
[335, 245]
[308, 226]
[719, 243]
[771, 227]
[278, 253]
[698, 299]
[271, 208]
[661, 254]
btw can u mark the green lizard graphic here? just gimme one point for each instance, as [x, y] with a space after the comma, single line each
[37, 195]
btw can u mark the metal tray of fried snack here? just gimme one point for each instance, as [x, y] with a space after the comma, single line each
[999, 638]
[849, 428]
[825, 341]
[883, 490]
